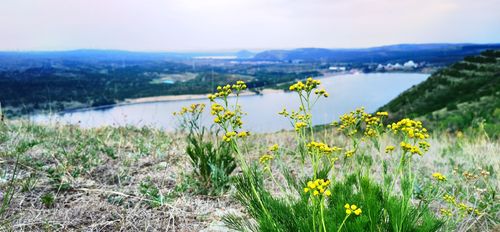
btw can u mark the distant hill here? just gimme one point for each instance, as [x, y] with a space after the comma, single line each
[440, 54]
[434, 53]
[456, 97]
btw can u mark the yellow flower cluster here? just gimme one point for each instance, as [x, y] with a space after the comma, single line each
[224, 91]
[389, 149]
[194, 108]
[223, 115]
[370, 132]
[321, 92]
[319, 147]
[372, 123]
[240, 85]
[438, 176]
[265, 158]
[300, 125]
[461, 206]
[216, 109]
[407, 147]
[410, 128]
[284, 112]
[243, 134]
[446, 212]
[424, 145]
[382, 114]
[449, 198]
[359, 120]
[308, 86]
[371, 120]
[317, 187]
[466, 209]
[347, 120]
[349, 209]
[274, 147]
[228, 136]
[350, 153]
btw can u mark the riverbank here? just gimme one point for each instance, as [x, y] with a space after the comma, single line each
[184, 97]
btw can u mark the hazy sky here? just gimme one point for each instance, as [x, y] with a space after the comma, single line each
[187, 25]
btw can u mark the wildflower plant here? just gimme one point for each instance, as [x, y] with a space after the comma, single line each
[314, 199]
[213, 163]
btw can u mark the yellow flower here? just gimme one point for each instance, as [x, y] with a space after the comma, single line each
[243, 134]
[389, 149]
[350, 153]
[411, 128]
[228, 136]
[438, 176]
[318, 187]
[300, 125]
[449, 198]
[380, 114]
[349, 209]
[407, 147]
[357, 212]
[322, 148]
[274, 147]
[265, 158]
[446, 212]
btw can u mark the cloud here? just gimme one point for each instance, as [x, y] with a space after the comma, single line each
[234, 24]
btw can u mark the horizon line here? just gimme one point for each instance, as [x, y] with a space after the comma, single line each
[235, 50]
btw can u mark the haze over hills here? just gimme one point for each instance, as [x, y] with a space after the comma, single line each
[433, 53]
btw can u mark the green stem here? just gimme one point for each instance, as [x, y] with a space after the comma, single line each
[322, 215]
[342, 225]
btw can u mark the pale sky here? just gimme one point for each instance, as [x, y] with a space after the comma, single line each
[209, 25]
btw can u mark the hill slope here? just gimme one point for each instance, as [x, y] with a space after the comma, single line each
[433, 53]
[456, 97]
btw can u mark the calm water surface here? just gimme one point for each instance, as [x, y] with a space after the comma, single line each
[346, 93]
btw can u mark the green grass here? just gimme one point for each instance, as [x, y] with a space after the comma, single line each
[457, 97]
[120, 159]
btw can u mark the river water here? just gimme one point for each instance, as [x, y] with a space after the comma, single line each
[347, 92]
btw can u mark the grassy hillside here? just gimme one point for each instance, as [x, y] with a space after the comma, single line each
[457, 97]
[358, 174]
[72, 179]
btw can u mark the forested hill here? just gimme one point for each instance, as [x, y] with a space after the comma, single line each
[456, 97]
[442, 54]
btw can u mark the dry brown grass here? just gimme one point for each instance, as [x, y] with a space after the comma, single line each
[149, 153]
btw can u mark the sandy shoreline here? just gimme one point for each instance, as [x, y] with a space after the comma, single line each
[182, 97]
[189, 97]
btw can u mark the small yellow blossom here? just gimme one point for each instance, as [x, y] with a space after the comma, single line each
[300, 125]
[438, 176]
[446, 212]
[318, 186]
[350, 153]
[389, 149]
[243, 134]
[265, 158]
[349, 209]
[274, 147]
[228, 136]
